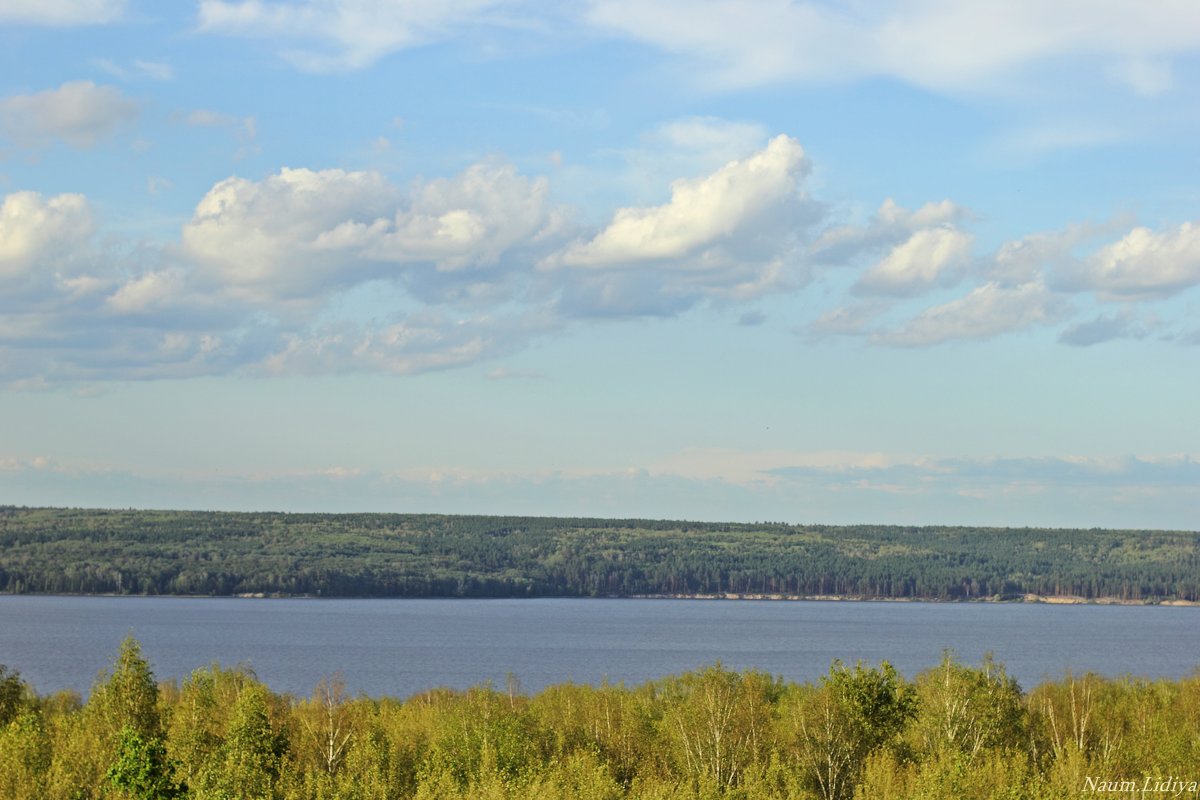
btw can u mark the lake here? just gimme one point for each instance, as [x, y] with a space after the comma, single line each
[399, 647]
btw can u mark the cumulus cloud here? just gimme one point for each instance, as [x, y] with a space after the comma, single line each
[291, 235]
[732, 234]
[249, 284]
[149, 292]
[701, 211]
[1032, 257]
[936, 44]
[929, 258]
[274, 275]
[79, 112]
[987, 311]
[254, 280]
[41, 237]
[78, 308]
[467, 221]
[61, 13]
[1142, 264]
[301, 233]
[890, 226]
[335, 35]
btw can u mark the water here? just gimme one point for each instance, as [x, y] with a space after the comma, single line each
[399, 647]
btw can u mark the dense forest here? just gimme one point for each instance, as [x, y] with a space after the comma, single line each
[862, 732]
[409, 555]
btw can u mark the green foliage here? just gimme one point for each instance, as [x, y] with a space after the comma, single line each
[69, 551]
[141, 770]
[858, 733]
[127, 697]
[836, 726]
[25, 754]
[13, 694]
[968, 710]
[718, 722]
[248, 763]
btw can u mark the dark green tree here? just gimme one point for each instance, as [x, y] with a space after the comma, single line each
[142, 770]
[13, 694]
[853, 713]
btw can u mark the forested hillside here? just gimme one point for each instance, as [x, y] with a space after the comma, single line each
[219, 553]
[403, 555]
[861, 733]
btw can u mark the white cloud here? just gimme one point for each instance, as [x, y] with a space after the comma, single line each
[60, 13]
[302, 233]
[149, 292]
[701, 212]
[466, 221]
[253, 281]
[78, 112]
[987, 311]
[334, 35]
[39, 236]
[1143, 264]
[733, 234]
[889, 226]
[937, 44]
[931, 257]
[276, 238]
[1029, 258]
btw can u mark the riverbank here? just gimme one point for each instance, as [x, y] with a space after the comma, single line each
[1027, 598]
[1063, 600]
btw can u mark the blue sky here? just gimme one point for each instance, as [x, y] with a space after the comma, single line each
[898, 262]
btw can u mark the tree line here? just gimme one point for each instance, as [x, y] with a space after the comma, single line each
[80, 551]
[858, 733]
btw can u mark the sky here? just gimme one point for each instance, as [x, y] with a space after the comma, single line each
[904, 262]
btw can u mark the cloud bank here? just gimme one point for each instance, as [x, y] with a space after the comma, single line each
[267, 276]
[1143, 492]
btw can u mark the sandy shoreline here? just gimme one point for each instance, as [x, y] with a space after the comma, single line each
[1028, 598]
[1070, 600]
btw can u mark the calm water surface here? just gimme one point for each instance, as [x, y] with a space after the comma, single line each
[398, 647]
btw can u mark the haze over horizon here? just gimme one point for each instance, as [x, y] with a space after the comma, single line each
[921, 262]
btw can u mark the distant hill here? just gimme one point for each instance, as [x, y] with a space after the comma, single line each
[74, 551]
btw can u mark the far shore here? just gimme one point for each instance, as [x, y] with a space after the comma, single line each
[1069, 600]
[1072, 600]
